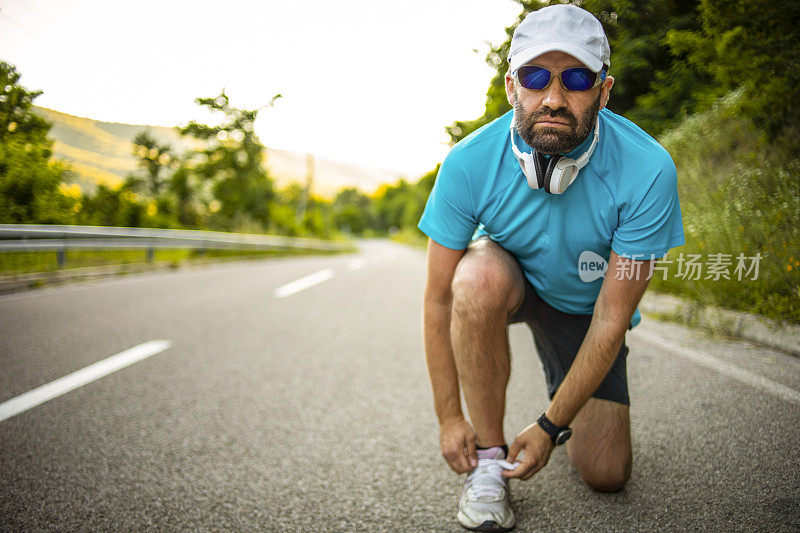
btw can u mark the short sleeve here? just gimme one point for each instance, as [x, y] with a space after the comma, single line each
[650, 224]
[449, 216]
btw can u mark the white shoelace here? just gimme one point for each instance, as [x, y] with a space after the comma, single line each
[486, 480]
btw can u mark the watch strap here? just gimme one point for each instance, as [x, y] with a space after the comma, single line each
[550, 428]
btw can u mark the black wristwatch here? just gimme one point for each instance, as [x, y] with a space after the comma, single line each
[559, 435]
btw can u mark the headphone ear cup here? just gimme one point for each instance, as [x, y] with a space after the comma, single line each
[528, 164]
[564, 174]
[552, 166]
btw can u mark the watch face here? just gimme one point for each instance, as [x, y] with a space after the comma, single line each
[563, 436]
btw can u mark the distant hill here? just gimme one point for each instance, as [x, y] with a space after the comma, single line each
[100, 153]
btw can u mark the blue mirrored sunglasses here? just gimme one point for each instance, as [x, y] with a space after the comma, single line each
[573, 79]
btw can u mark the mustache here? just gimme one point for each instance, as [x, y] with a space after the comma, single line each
[561, 112]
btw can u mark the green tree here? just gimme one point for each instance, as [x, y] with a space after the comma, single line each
[390, 204]
[393, 207]
[754, 44]
[420, 193]
[155, 160]
[29, 181]
[655, 85]
[114, 207]
[17, 122]
[352, 211]
[233, 163]
[182, 187]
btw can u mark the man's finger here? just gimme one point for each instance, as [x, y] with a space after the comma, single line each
[472, 454]
[508, 466]
[463, 463]
[520, 471]
[513, 450]
[534, 469]
[457, 461]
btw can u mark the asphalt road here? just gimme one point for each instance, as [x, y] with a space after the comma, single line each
[312, 412]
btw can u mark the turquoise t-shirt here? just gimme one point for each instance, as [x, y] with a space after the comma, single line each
[625, 199]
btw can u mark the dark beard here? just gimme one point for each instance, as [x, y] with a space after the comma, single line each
[552, 140]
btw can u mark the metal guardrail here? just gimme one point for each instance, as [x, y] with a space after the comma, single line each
[39, 237]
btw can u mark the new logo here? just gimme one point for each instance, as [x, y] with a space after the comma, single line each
[591, 266]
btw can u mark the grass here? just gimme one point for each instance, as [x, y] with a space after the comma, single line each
[411, 236]
[740, 194]
[14, 263]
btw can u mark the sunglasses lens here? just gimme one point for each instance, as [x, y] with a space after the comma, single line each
[578, 79]
[533, 77]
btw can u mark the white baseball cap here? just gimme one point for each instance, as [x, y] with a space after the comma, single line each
[561, 27]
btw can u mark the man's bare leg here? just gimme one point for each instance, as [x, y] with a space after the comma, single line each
[487, 287]
[600, 447]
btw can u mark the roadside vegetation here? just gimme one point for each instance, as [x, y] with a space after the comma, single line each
[740, 195]
[715, 81]
[17, 263]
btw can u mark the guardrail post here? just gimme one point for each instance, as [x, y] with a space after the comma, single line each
[148, 254]
[61, 257]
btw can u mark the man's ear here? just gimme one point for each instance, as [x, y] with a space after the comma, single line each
[509, 88]
[605, 90]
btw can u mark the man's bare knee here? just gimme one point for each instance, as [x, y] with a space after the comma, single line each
[601, 447]
[487, 280]
[607, 480]
[478, 288]
[606, 471]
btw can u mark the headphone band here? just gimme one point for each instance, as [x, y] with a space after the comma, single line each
[584, 159]
[551, 166]
[540, 164]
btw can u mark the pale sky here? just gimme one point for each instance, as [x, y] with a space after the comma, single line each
[371, 82]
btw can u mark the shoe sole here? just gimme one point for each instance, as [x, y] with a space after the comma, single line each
[489, 525]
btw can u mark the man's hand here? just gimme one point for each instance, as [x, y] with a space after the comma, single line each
[457, 441]
[537, 445]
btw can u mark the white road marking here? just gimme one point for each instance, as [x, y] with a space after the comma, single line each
[357, 264]
[730, 370]
[56, 388]
[303, 283]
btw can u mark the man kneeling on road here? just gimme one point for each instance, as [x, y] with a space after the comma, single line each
[526, 216]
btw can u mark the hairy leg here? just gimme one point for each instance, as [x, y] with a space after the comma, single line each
[600, 447]
[487, 288]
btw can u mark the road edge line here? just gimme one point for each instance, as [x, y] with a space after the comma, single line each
[728, 369]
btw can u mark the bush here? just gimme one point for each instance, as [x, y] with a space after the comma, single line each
[740, 194]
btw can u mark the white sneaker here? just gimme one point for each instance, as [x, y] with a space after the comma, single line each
[484, 503]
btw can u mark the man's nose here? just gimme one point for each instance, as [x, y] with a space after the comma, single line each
[554, 97]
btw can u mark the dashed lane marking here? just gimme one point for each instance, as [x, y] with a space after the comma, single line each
[303, 283]
[81, 377]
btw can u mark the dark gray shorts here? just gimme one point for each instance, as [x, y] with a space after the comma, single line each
[558, 336]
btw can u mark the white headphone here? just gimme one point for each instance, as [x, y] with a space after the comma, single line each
[557, 174]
